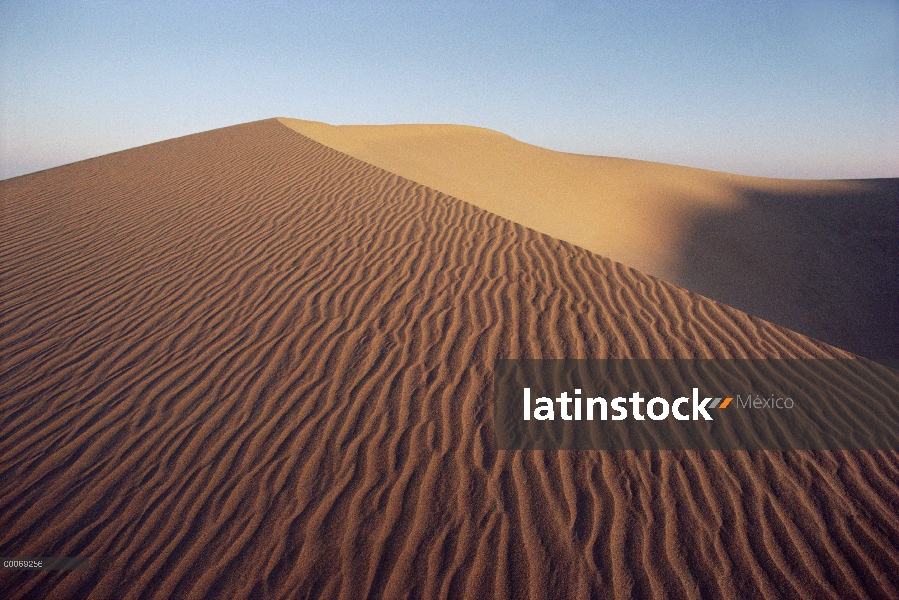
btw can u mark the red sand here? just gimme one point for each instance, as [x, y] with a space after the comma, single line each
[243, 364]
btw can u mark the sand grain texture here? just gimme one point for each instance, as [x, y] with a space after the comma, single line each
[243, 364]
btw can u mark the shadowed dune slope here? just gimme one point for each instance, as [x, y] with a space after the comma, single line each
[242, 364]
[819, 257]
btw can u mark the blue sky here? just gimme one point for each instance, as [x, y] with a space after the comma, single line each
[785, 89]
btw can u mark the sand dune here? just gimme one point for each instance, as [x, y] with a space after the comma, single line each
[243, 364]
[819, 257]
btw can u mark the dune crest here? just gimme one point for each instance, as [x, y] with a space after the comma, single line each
[828, 247]
[628, 210]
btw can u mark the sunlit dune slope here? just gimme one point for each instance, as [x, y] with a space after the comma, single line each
[241, 364]
[820, 257]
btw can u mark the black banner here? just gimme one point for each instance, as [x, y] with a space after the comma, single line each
[46, 563]
[666, 404]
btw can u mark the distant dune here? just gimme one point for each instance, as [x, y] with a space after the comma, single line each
[243, 364]
[819, 257]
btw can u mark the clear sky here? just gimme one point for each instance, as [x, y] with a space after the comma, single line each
[786, 89]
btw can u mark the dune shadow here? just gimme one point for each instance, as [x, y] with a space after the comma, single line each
[824, 265]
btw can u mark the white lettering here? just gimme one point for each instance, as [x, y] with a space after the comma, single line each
[660, 416]
[700, 407]
[677, 413]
